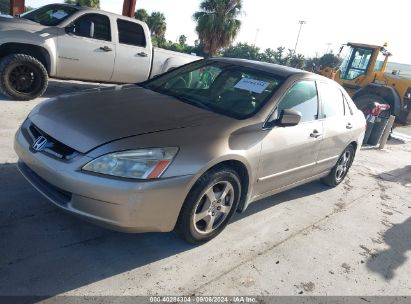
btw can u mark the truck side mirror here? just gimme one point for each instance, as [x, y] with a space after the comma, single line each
[70, 29]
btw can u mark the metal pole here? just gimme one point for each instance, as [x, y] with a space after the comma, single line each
[256, 34]
[386, 132]
[129, 7]
[301, 22]
[16, 7]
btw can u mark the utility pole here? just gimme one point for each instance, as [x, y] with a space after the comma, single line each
[256, 35]
[301, 22]
[329, 44]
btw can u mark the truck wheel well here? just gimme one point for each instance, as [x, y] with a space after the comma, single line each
[35, 51]
[386, 92]
[242, 172]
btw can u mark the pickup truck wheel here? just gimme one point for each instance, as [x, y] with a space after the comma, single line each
[22, 77]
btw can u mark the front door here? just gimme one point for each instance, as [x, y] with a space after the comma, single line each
[86, 51]
[289, 153]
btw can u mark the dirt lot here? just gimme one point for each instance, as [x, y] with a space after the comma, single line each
[351, 240]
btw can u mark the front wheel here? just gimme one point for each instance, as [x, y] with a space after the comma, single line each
[22, 77]
[341, 168]
[209, 206]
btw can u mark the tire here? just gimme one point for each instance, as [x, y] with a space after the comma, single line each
[362, 101]
[22, 77]
[336, 176]
[198, 206]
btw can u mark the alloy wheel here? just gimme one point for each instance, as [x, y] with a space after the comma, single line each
[213, 207]
[343, 165]
[22, 78]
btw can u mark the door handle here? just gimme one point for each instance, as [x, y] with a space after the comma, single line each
[142, 54]
[315, 134]
[349, 126]
[105, 48]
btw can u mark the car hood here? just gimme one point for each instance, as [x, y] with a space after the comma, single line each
[7, 21]
[86, 120]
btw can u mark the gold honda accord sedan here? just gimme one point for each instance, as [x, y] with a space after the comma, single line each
[185, 150]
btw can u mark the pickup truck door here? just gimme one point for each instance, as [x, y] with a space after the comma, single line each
[289, 154]
[133, 59]
[86, 50]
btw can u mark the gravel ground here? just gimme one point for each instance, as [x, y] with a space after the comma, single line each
[351, 240]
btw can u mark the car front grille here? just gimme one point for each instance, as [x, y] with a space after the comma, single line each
[54, 148]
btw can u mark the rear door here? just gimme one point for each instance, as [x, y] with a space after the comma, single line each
[87, 52]
[289, 153]
[133, 58]
[338, 121]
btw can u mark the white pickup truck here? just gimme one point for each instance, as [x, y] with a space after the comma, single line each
[73, 42]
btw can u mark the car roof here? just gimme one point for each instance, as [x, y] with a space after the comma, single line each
[276, 69]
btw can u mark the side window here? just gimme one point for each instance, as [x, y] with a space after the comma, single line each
[94, 26]
[301, 97]
[131, 33]
[332, 100]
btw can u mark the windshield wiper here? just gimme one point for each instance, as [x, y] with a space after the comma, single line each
[195, 102]
[191, 101]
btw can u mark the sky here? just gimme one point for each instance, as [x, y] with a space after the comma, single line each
[270, 23]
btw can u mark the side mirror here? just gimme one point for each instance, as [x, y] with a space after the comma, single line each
[289, 118]
[70, 29]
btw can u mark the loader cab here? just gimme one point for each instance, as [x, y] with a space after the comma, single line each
[360, 65]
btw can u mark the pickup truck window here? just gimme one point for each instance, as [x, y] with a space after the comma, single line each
[94, 26]
[131, 33]
[50, 15]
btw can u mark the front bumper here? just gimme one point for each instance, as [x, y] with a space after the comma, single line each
[119, 204]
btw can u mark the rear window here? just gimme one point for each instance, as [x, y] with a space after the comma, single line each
[131, 33]
[332, 100]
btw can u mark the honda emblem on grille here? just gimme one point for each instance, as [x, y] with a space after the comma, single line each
[40, 143]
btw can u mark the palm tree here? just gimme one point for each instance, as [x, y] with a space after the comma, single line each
[141, 14]
[182, 40]
[157, 24]
[217, 25]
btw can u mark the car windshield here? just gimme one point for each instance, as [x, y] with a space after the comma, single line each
[50, 15]
[228, 89]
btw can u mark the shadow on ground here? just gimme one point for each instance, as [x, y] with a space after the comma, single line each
[385, 262]
[46, 252]
[401, 175]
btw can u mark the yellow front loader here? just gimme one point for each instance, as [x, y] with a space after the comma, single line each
[362, 74]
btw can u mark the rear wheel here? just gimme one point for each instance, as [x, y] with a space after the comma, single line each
[341, 168]
[22, 77]
[209, 206]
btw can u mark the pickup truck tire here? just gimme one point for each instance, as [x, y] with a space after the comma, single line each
[22, 77]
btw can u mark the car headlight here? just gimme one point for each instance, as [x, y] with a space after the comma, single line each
[140, 164]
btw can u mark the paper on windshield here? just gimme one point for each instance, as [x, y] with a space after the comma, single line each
[252, 85]
[59, 14]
